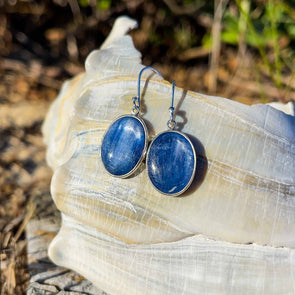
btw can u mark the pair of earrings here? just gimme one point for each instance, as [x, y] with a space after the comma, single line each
[171, 157]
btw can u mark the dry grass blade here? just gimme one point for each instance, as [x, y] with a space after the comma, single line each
[216, 44]
[29, 215]
[192, 53]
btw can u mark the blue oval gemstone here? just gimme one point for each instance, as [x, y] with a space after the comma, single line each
[171, 162]
[123, 146]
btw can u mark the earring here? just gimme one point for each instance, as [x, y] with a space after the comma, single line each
[171, 159]
[125, 143]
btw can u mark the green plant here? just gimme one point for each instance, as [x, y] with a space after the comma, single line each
[268, 26]
[100, 4]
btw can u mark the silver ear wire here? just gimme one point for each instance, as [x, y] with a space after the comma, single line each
[171, 123]
[136, 100]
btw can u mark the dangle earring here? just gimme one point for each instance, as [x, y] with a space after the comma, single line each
[125, 143]
[171, 159]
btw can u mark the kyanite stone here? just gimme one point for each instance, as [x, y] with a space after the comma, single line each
[171, 162]
[123, 145]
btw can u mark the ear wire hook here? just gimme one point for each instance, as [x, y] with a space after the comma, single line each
[171, 123]
[136, 99]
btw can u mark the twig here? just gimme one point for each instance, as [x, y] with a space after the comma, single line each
[72, 47]
[75, 9]
[245, 4]
[31, 211]
[275, 43]
[216, 44]
[194, 53]
[242, 47]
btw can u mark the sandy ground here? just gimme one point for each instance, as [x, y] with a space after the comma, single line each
[24, 101]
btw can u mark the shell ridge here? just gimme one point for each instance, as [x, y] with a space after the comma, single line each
[231, 233]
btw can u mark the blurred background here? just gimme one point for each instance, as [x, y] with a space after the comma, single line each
[242, 50]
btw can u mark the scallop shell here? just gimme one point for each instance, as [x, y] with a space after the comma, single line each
[232, 232]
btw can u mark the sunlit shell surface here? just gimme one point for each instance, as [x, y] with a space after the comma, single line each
[232, 232]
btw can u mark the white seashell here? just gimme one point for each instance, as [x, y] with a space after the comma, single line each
[288, 108]
[126, 237]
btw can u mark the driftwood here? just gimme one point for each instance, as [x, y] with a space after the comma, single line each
[46, 277]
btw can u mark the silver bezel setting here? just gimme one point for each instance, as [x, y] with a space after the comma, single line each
[194, 169]
[144, 149]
